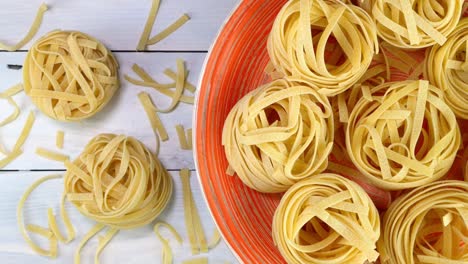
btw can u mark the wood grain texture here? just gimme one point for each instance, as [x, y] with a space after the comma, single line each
[123, 115]
[130, 246]
[119, 23]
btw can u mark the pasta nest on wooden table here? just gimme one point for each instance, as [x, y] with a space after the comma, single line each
[327, 44]
[414, 24]
[404, 136]
[118, 182]
[278, 134]
[326, 219]
[427, 225]
[447, 68]
[69, 75]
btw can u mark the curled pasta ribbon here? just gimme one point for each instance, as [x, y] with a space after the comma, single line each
[447, 68]
[118, 182]
[326, 219]
[404, 137]
[413, 24]
[326, 44]
[277, 135]
[69, 75]
[427, 225]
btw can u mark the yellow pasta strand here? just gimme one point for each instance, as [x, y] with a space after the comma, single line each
[45, 232]
[156, 123]
[415, 24]
[59, 138]
[51, 155]
[302, 31]
[69, 75]
[326, 219]
[214, 241]
[32, 31]
[103, 242]
[52, 252]
[447, 68]
[19, 143]
[92, 232]
[190, 87]
[169, 30]
[129, 184]
[427, 225]
[405, 137]
[183, 140]
[278, 134]
[148, 81]
[167, 252]
[148, 25]
[195, 231]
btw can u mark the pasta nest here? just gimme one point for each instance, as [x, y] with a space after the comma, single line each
[326, 219]
[278, 134]
[69, 75]
[447, 68]
[117, 181]
[404, 136]
[414, 24]
[326, 44]
[427, 225]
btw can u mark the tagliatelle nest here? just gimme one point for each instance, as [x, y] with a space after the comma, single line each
[279, 134]
[69, 75]
[427, 225]
[403, 136]
[326, 219]
[118, 182]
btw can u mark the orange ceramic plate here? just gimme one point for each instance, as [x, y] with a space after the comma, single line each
[234, 67]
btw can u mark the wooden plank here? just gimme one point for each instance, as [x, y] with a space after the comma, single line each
[119, 23]
[129, 246]
[123, 115]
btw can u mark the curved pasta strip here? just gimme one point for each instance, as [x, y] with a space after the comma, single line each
[69, 75]
[32, 31]
[447, 68]
[122, 184]
[167, 252]
[277, 135]
[427, 225]
[327, 44]
[404, 137]
[326, 219]
[414, 24]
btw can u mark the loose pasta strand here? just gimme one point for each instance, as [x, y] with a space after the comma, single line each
[32, 30]
[148, 25]
[169, 30]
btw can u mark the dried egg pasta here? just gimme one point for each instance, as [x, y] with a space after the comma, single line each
[405, 137]
[301, 33]
[413, 24]
[277, 135]
[69, 75]
[427, 225]
[447, 68]
[326, 219]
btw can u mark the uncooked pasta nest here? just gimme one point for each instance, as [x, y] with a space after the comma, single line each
[447, 68]
[413, 24]
[118, 182]
[328, 44]
[427, 225]
[277, 135]
[326, 219]
[69, 75]
[404, 136]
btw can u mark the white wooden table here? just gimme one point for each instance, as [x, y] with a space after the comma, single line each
[118, 23]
